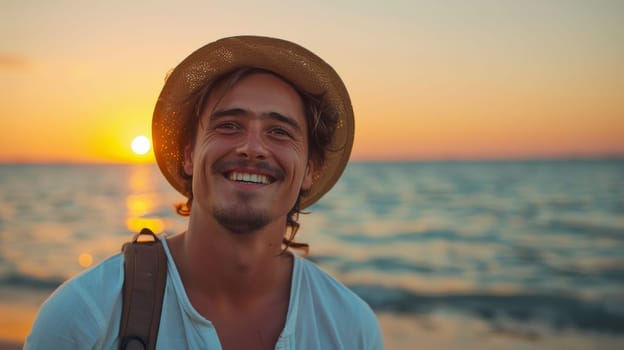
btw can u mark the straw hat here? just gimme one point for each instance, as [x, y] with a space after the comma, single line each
[291, 61]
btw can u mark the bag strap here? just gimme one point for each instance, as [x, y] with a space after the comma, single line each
[145, 269]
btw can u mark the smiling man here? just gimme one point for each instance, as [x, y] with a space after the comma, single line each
[251, 130]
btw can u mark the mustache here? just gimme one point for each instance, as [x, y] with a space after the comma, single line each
[222, 166]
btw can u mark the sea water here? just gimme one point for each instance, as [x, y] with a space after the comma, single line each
[520, 244]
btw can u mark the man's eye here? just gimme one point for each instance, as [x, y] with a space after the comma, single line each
[281, 132]
[228, 126]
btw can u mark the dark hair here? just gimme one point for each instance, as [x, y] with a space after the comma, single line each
[321, 121]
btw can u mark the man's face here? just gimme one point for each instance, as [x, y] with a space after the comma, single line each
[250, 158]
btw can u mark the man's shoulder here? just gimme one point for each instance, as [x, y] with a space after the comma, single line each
[332, 292]
[339, 312]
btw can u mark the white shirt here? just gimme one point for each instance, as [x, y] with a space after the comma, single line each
[85, 313]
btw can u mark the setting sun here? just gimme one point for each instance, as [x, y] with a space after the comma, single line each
[140, 145]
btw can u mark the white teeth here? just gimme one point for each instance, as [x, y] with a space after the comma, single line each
[251, 178]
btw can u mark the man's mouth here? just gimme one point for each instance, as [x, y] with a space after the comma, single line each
[250, 178]
[244, 172]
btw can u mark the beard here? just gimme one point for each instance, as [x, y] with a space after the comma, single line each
[242, 218]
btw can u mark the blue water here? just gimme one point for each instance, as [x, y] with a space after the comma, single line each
[527, 241]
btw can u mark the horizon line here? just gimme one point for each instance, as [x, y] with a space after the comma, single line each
[356, 160]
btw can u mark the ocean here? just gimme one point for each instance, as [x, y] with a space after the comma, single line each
[446, 253]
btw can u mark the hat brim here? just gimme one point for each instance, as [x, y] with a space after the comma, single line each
[294, 63]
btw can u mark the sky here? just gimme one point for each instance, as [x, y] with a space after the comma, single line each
[429, 80]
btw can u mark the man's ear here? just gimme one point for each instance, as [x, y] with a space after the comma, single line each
[188, 160]
[308, 177]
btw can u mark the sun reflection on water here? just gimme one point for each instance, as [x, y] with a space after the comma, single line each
[141, 179]
[141, 201]
[136, 224]
[139, 204]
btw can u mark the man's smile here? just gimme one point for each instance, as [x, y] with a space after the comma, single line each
[251, 178]
[244, 172]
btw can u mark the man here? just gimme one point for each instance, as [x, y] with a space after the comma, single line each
[251, 130]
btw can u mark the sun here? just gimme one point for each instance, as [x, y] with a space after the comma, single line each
[140, 145]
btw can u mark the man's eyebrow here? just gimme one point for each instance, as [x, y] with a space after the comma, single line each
[218, 114]
[285, 119]
[226, 112]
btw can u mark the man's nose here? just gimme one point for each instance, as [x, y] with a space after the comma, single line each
[252, 145]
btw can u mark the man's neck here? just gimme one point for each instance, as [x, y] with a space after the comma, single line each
[239, 270]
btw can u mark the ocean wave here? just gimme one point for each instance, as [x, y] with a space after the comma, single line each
[16, 279]
[415, 236]
[558, 311]
[582, 226]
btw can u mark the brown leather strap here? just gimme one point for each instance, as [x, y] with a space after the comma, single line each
[143, 291]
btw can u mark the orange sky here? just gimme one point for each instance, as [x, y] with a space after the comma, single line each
[428, 79]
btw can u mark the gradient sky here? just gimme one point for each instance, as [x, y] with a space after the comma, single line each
[428, 79]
